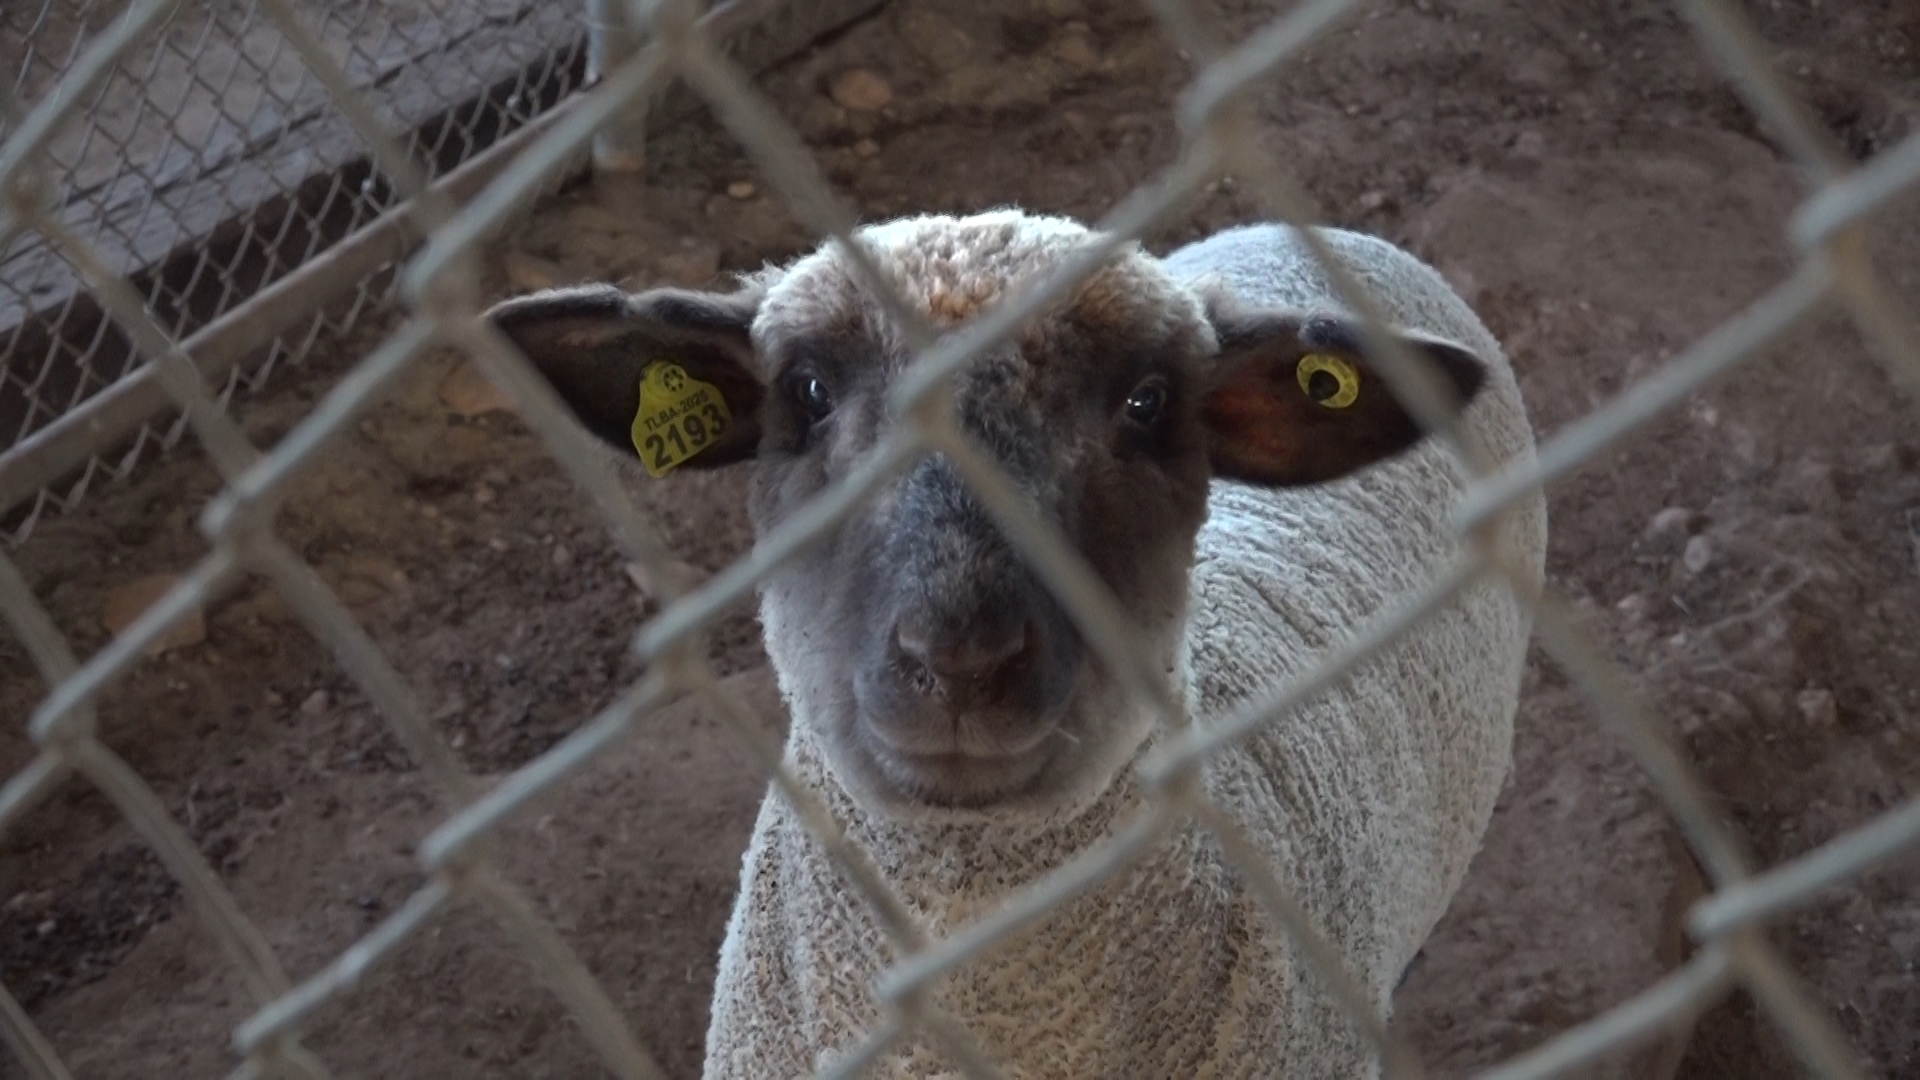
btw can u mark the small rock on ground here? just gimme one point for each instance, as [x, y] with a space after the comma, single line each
[130, 601]
[860, 90]
[469, 393]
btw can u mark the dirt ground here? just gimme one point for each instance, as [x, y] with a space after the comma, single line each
[1580, 173]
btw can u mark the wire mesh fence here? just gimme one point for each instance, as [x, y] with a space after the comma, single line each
[211, 168]
[207, 163]
[439, 284]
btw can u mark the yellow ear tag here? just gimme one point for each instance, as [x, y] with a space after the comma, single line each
[679, 417]
[1329, 380]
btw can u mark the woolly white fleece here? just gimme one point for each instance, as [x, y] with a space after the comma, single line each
[1369, 802]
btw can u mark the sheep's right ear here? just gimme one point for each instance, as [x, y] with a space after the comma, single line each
[1295, 400]
[595, 343]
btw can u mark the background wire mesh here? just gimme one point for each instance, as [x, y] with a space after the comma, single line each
[78, 210]
[209, 162]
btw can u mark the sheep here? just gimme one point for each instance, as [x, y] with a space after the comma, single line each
[1208, 432]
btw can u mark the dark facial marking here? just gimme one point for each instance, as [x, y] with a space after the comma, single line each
[964, 674]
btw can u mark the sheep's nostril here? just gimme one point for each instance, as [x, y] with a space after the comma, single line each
[967, 668]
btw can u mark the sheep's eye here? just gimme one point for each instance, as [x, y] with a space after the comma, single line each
[1147, 402]
[813, 397]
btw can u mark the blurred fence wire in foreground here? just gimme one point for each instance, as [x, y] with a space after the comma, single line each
[289, 55]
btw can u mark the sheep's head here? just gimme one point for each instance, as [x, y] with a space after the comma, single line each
[936, 669]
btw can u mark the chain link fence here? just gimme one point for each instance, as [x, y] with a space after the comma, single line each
[210, 167]
[208, 163]
[439, 285]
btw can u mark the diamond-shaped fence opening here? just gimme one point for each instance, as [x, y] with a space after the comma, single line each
[133, 277]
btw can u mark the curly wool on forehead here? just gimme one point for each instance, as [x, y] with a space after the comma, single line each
[951, 268]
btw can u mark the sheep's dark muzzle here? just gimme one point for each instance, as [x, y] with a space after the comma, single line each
[971, 661]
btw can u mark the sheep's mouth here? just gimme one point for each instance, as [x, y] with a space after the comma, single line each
[961, 780]
[952, 750]
[940, 735]
[960, 761]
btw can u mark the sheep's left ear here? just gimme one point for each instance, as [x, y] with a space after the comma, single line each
[597, 345]
[1294, 401]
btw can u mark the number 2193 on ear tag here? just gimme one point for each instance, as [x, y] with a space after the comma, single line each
[679, 416]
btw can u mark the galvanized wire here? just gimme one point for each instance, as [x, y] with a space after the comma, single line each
[206, 160]
[439, 284]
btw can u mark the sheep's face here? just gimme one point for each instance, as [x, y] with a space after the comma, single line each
[934, 666]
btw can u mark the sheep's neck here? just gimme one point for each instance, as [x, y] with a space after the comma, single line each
[942, 862]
